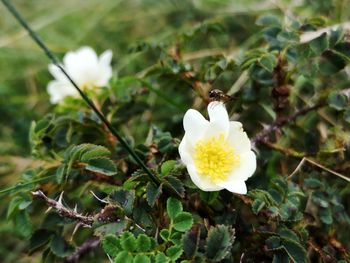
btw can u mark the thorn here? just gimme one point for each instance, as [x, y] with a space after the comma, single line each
[76, 208]
[48, 210]
[75, 229]
[60, 199]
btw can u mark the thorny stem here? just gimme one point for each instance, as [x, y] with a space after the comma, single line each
[86, 221]
[56, 62]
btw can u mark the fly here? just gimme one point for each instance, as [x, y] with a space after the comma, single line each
[218, 95]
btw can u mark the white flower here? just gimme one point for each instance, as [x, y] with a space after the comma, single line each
[86, 69]
[218, 152]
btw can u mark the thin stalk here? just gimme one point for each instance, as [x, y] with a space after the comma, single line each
[89, 102]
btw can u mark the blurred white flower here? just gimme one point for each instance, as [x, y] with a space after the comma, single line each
[85, 68]
[218, 152]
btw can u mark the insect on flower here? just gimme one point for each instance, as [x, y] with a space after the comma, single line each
[218, 95]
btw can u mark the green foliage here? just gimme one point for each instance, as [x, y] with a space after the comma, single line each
[219, 242]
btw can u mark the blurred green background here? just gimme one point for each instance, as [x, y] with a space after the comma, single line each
[118, 25]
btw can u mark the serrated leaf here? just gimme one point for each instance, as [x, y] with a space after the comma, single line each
[219, 241]
[152, 193]
[346, 115]
[167, 166]
[295, 251]
[319, 44]
[143, 243]
[164, 234]
[313, 183]
[268, 20]
[111, 245]
[128, 242]
[124, 256]
[174, 252]
[141, 259]
[22, 223]
[190, 241]
[287, 233]
[102, 165]
[173, 207]
[175, 184]
[257, 205]
[273, 243]
[268, 62]
[124, 199]
[60, 247]
[39, 239]
[94, 152]
[183, 221]
[325, 215]
[161, 258]
[337, 101]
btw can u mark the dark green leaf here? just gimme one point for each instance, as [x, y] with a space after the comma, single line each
[39, 239]
[60, 247]
[219, 242]
[141, 259]
[167, 166]
[337, 101]
[319, 44]
[128, 242]
[295, 251]
[102, 165]
[257, 205]
[152, 193]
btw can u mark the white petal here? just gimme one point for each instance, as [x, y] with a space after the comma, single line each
[195, 125]
[106, 58]
[82, 65]
[246, 168]
[201, 182]
[238, 138]
[56, 72]
[185, 151]
[59, 90]
[235, 186]
[218, 116]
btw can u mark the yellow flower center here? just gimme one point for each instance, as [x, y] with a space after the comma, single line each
[215, 158]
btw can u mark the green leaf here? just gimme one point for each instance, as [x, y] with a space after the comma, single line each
[273, 243]
[124, 199]
[165, 234]
[319, 44]
[161, 258]
[94, 152]
[209, 197]
[280, 257]
[174, 207]
[175, 184]
[219, 242]
[174, 252]
[141, 259]
[128, 242]
[295, 251]
[337, 101]
[124, 257]
[39, 239]
[60, 173]
[346, 115]
[268, 20]
[287, 233]
[102, 165]
[167, 166]
[325, 215]
[268, 62]
[111, 245]
[152, 193]
[190, 241]
[60, 247]
[257, 205]
[313, 183]
[22, 224]
[143, 243]
[183, 221]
